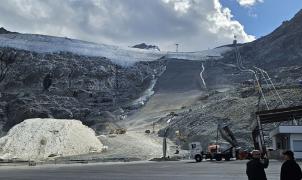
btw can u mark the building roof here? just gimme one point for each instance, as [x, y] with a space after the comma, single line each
[280, 115]
[286, 130]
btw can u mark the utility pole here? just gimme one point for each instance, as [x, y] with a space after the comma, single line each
[153, 127]
[116, 86]
[176, 47]
[217, 138]
[235, 40]
[165, 142]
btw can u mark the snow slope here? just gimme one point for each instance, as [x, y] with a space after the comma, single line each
[38, 139]
[123, 56]
[199, 55]
[50, 44]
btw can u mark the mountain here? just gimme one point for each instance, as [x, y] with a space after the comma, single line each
[51, 44]
[56, 77]
[4, 31]
[232, 97]
[282, 47]
[189, 92]
[145, 46]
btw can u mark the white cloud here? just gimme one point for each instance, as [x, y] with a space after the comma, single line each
[249, 3]
[179, 5]
[222, 24]
[194, 24]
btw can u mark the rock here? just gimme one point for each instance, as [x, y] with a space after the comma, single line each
[280, 48]
[4, 31]
[145, 46]
[80, 86]
[20, 109]
[61, 113]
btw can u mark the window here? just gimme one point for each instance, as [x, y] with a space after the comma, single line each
[297, 145]
[193, 146]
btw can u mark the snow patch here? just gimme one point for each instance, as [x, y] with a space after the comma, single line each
[51, 44]
[38, 139]
[125, 56]
[199, 55]
[146, 95]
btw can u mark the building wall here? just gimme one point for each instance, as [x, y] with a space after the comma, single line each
[296, 145]
[274, 142]
[281, 141]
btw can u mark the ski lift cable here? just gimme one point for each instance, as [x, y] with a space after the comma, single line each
[272, 84]
[274, 87]
[242, 68]
[269, 85]
[260, 89]
[240, 63]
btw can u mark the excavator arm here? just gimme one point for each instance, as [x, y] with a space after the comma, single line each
[227, 135]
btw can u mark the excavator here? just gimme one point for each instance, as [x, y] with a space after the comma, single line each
[217, 151]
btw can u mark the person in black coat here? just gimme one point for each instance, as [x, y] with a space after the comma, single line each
[255, 167]
[290, 170]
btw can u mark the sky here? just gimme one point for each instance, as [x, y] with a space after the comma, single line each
[193, 24]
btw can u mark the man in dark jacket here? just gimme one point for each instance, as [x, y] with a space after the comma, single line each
[290, 170]
[255, 167]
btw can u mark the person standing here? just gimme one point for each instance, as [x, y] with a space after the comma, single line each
[255, 167]
[290, 170]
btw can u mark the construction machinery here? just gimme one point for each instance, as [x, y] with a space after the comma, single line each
[217, 151]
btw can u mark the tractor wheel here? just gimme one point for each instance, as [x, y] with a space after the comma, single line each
[198, 158]
[218, 157]
[227, 157]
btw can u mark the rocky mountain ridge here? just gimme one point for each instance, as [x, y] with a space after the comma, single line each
[232, 96]
[91, 89]
[4, 31]
[145, 46]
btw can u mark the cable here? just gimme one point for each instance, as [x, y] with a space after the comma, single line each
[243, 69]
[270, 80]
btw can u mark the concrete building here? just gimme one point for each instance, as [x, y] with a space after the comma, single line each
[288, 138]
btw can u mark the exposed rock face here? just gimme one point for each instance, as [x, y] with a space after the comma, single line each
[39, 139]
[232, 96]
[4, 31]
[199, 121]
[145, 46]
[80, 87]
[282, 47]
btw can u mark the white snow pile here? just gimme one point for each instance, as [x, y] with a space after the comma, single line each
[50, 44]
[39, 139]
[215, 53]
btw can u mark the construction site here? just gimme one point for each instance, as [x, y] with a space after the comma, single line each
[176, 119]
[73, 109]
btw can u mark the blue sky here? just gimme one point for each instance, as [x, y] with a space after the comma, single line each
[263, 18]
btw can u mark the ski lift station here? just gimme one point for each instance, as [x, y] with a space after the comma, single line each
[288, 134]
